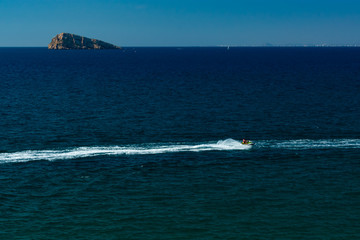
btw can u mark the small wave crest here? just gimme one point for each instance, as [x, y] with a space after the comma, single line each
[82, 152]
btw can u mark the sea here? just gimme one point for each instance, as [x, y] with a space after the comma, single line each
[145, 143]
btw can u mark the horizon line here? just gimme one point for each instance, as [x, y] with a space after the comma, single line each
[220, 46]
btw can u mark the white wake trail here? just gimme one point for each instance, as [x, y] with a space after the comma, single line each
[82, 152]
[303, 144]
[222, 145]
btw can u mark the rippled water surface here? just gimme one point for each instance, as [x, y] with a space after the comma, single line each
[145, 143]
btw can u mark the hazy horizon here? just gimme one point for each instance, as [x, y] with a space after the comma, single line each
[220, 46]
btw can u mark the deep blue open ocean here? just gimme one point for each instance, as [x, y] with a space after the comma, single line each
[145, 143]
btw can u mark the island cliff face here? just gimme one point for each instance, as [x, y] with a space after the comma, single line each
[71, 41]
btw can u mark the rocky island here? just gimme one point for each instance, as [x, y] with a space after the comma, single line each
[68, 41]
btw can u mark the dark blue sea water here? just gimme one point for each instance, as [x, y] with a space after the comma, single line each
[144, 143]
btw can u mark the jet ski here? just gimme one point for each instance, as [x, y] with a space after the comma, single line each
[247, 142]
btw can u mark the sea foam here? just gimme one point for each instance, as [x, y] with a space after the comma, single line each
[303, 144]
[82, 152]
[161, 148]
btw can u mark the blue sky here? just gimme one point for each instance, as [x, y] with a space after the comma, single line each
[182, 22]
